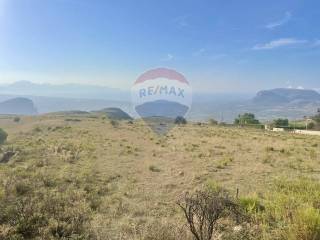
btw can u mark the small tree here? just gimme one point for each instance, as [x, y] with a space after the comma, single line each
[316, 120]
[311, 125]
[180, 120]
[3, 136]
[203, 210]
[280, 123]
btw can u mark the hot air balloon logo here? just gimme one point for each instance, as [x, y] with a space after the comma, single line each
[161, 95]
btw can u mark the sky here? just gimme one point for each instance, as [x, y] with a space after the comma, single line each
[219, 45]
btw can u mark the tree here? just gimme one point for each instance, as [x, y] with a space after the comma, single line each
[280, 123]
[246, 118]
[3, 136]
[180, 120]
[316, 118]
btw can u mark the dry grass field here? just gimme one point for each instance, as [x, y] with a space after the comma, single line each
[84, 177]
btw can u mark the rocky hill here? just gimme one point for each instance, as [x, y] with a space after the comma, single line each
[281, 96]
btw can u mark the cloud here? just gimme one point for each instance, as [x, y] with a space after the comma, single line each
[282, 42]
[169, 57]
[280, 22]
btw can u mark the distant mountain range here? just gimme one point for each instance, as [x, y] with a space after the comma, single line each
[26, 88]
[285, 96]
[28, 98]
[268, 104]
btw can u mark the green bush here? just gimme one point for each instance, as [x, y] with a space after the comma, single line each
[3, 136]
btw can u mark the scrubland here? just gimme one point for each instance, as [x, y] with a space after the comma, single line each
[86, 177]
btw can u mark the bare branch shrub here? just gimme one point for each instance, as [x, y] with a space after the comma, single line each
[204, 209]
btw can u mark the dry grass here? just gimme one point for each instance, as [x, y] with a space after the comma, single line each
[130, 178]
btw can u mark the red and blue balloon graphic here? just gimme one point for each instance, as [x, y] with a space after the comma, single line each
[161, 95]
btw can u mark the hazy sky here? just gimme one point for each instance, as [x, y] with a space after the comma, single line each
[219, 45]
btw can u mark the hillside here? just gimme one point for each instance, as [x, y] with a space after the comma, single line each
[99, 181]
[115, 113]
[18, 106]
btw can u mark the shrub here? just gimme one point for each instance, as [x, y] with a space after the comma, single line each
[16, 119]
[3, 136]
[153, 168]
[204, 209]
[114, 123]
[213, 121]
[180, 120]
[31, 213]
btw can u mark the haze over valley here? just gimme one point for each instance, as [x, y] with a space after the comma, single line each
[266, 104]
